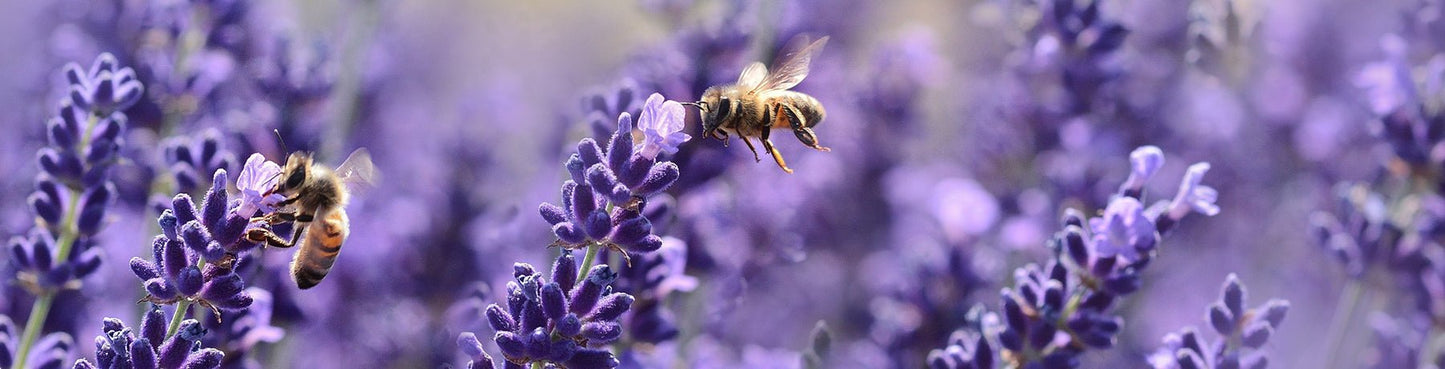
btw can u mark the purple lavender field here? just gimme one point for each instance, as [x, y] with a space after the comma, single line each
[543, 184]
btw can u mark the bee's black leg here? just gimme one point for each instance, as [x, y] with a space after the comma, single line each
[777, 157]
[721, 136]
[751, 148]
[270, 238]
[805, 134]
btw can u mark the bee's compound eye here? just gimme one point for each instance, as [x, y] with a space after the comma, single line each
[724, 107]
[295, 179]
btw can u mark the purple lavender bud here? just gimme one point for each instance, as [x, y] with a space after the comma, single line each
[569, 325]
[1256, 335]
[520, 270]
[611, 307]
[648, 244]
[1077, 247]
[539, 345]
[516, 299]
[20, 253]
[561, 350]
[1274, 312]
[590, 153]
[1040, 333]
[1013, 312]
[511, 345]
[213, 210]
[93, 204]
[576, 168]
[64, 165]
[169, 223]
[142, 354]
[158, 288]
[153, 325]
[499, 320]
[584, 297]
[1233, 295]
[59, 134]
[79, 364]
[108, 129]
[1221, 319]
[553, 214]
[1190, 339]
[47, 208]
[144, 268]
[208, 358]
[184, 209]
[602, 180]
[1123, 284]
[189, 281]
[554, 304]
[1010, 340]
[229, 233]
[564, 271]
[620, 147]
[597, 225]
[88, 262]
[631, 231]
[532, 316]
[175, 259]
[599, 333]
[634, 171]
[471, 346]
[175, 349]
[584, 202]
[586, 358]
[659, 178]
[226, 292]
[569, 233]
[40, 253]
[1254, 361]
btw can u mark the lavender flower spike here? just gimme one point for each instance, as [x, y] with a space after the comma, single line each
[1242, 334]
[661, 123]
[119, 346]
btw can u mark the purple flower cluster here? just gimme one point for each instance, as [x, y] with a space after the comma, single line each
[1242, 334]
[151, 347]
[1054, 313]
[73, 191]
[565, 322]
[604, 201]
[194, 256]
[189, 159]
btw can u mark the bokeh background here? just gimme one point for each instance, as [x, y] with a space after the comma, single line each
[960, 130]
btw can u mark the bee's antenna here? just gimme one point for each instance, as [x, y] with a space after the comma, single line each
[284, 150]
[697, 104]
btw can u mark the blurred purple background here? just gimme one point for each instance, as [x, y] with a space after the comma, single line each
[960, 131]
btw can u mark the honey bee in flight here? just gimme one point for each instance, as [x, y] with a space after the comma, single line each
[315, 199]
[760, 101]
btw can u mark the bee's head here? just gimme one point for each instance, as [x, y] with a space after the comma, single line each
[713, 108]
[294, 174]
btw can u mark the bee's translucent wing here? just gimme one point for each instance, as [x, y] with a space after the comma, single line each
[792, 65]
[357, 172]
[753, 76]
